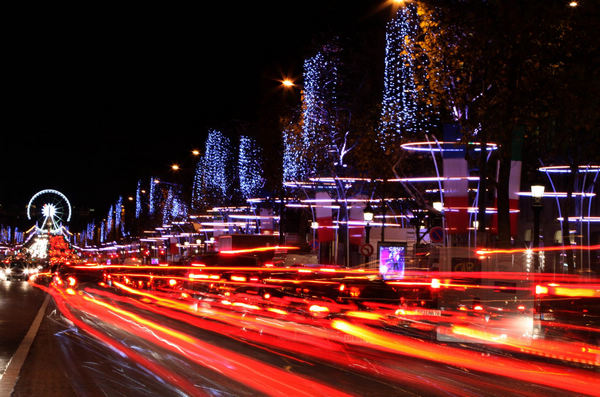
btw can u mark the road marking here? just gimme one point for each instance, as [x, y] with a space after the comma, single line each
[11, 375]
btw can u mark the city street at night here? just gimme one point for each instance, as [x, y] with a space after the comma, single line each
[324, 198]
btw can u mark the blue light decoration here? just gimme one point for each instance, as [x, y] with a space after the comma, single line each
[179, 210]
[406, 110]
[216, 161]
[109, 221]
[166, 215]
[250, 171]
[213, 178]
[319, 100]
[294, 162]
[102, 232]
[89, 232]
[118, 221]
[198, 185]
[151, 193]
[5, 234]
[18, 236]
[138, 199]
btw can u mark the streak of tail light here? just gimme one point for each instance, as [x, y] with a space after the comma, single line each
[317, 336]
[278, 311]
[255, 374]
[364, 315]
[552, 349]
[258, 249]
[140, 320]
[180, 382]
[319, 309]
[573, 291]
[547, 374]
[485, 251]
[317, 347]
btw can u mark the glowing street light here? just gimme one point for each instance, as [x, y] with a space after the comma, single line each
[368, 213]
[175, 167]
[287, 83]
[573, 4]
[196, 152]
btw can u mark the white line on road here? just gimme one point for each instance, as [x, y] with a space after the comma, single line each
[11, 375]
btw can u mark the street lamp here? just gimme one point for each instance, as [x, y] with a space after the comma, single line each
[368, 218]
[288, 83]
[537, 193]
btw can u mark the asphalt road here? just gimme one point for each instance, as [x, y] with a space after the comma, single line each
[66, 360]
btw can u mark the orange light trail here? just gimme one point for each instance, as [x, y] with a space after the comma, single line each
[258, 249]
[485, 251]
[546, 374]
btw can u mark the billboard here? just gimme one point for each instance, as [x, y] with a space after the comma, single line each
[392, 258]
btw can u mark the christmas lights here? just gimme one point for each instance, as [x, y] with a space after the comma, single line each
[151, 201]
[118, 223]
[213, 178]
[250, 170]
[109, 221]
[406, 110]
[321, 79]
[138, 200]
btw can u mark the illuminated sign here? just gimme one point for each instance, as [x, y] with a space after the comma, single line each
[392, 257]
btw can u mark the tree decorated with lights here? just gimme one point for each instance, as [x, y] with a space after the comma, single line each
[213, 180]
[119, 224]
[152, 196]
[294, 157]
[89, 233]
[198, 185]
[59, 250]
[102, 232]
[109, 222]
[320, 129]
[138, 200]
[168, 204]
[407, 107]
[250, 171]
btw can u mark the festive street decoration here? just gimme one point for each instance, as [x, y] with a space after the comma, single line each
[250, 171]
[406, 108]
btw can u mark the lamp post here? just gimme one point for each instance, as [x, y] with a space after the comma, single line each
[368, 218]
[383, 211]
[314, 226]
[537, 193]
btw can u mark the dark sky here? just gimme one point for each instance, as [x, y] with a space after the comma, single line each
[95, 98]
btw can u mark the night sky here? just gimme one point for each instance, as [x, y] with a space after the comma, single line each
[95, 98]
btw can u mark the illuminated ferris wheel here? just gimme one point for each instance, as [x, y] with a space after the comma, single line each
[49, 208]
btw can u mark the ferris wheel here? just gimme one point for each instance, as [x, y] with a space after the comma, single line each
[49, 208]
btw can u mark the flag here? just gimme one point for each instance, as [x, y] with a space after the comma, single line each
[456, 198]
[324, 215]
